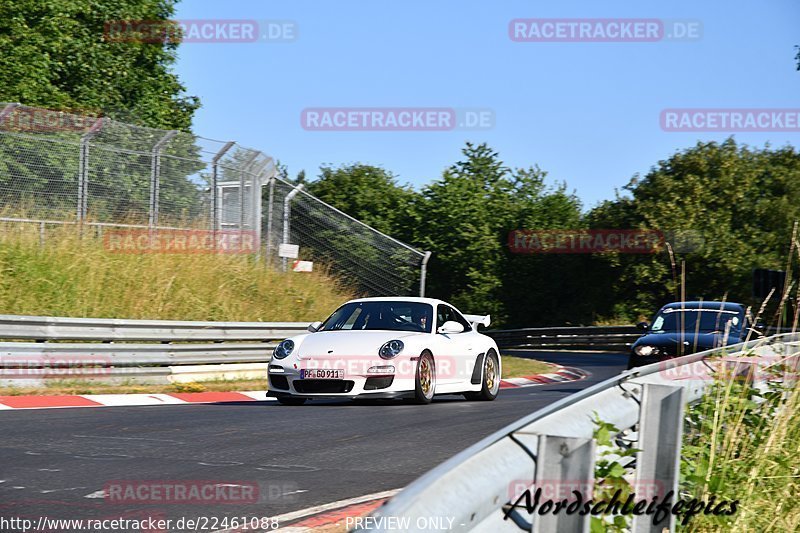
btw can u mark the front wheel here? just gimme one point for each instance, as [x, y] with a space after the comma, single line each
[425, 381]
[490, 384]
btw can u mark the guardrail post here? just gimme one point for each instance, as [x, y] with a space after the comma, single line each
[562, 463]
[660, 436]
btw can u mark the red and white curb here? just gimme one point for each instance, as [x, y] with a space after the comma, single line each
[331, 515]
[117, 400]
[561, 375]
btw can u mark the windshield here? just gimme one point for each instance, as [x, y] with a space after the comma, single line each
[710, 320]
[388, 315]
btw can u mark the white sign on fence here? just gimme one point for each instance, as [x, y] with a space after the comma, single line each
[303, 266]
[289, 250]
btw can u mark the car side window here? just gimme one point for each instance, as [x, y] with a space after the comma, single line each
[442, 315]
[445, 313]
[461, 320]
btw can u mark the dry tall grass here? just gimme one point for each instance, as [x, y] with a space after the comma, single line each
[744, 444]
[78, 277]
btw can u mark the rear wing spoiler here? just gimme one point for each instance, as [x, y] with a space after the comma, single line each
[483, 320]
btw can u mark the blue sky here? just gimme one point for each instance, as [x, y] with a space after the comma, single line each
[586, 112]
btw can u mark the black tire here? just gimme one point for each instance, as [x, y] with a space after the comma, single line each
[425, 379]
[291, 400]
[490, 380]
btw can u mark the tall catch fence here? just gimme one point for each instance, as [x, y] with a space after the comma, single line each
[59, 168]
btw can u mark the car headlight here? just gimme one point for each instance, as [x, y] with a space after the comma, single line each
[283, 349]
[645, 350]
[391, 349]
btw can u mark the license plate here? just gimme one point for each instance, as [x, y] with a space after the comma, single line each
[321, 373]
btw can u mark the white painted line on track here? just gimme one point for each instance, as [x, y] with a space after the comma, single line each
[133, 399]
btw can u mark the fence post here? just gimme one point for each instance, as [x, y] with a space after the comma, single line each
[155, 176]
[256, 198]
[242, 173]
[286, 212]
[658, 462]
[423, 273]
[83, 169]
[269, 219]
[216, 223]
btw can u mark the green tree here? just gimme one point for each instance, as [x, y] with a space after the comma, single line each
[369, 194]
[369, 262]
[742, 202]
[465, 219]
[55, 54]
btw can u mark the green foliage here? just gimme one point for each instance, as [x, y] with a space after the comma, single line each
[741, 201]
[53, 54]
[740, 443]
[465, 219]
[737, 204]
[369, 194]
[609, 475]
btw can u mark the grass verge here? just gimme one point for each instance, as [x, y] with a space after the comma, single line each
[78, 277]
[742, 444]
[519, 367]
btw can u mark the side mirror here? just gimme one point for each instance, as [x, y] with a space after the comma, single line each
[314, 327]
[451, 326]
[760, 325]
[643, 326]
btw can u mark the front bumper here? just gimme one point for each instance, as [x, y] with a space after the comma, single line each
[286, 380]
[387, 395]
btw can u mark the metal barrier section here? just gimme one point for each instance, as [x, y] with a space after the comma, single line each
[476, 488]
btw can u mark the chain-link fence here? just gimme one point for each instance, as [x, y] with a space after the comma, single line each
[70, 168]
[374, 262]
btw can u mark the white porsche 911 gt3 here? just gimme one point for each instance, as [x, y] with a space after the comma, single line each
[411, 348]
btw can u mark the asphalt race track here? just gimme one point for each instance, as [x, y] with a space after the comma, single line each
[52, 459]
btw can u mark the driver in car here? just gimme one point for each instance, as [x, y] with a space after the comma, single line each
[420, 318]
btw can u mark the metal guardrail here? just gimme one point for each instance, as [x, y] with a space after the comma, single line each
[591, 337]
[137, 342]
[612, 338]
[556, 445]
